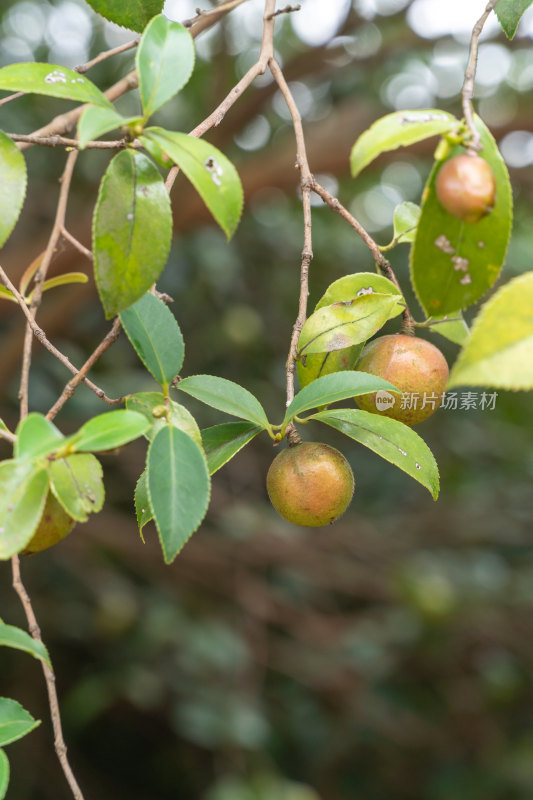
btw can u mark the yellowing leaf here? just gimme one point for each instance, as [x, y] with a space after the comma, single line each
[499, 352]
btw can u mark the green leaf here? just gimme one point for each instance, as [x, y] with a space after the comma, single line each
[77, 484]
[509, 13]
[180, 417]
[452, 326]
[110, 430]
[315, 365]
[133, 14]
[15, 721]
[499, 352]
[10, 636]
[398, 129]
[359, 284]
[453, 263]
[178, 488]
[222, 442]
[5, 294]
[132, 229]
[63, 280]
[225, 396]
[51, 80]
[331, 388]
[390, 439]
[4, 774]
[346, 323]
[143, 509]
[213, 176]
[13, 181]
[36, 436]
[23, 490]
[154, 333]
[95, 121]
[164, 61]
[406, 216]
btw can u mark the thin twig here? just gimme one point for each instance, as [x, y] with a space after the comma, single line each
[41, 336]
[66, 122]
[75, 243]
[470, 74]
[216, 117]
[7, 435]
[107, 54]
[287, 10]
[54, 140]
[408, 324]
[306, 182]
[11, 97]
[59, 224]
[211, 13]
[59, 741]
[72, 385]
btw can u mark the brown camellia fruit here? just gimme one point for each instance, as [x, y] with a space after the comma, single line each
[466, 188]
[310, 484]
[55, 524]
[416, 367]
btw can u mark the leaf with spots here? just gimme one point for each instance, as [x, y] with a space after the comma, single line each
[350, 287]
[390, 439]
[212, 174]
[51, 80]
[77, 484]
[453, 263]
[345, 323]
[399, 129]
[499, 352]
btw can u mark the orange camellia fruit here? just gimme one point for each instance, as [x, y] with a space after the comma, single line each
[466, 188]
[310, 484]
[54, 525]
[416, 367]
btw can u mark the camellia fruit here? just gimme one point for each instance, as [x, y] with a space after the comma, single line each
[466, 188]
[310, 484]
[416, 367]
[54, 525]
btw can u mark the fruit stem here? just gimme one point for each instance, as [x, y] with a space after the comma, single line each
[293, 437]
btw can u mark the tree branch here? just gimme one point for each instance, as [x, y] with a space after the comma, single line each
[50, 678]
[470, 74]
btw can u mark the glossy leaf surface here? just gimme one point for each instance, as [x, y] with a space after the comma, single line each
[155, 334]
[10, 636]
[212, 174]
[178, 488]
[164, 61]
[222, 442]
[453, 263]
[15, 721]
[390, 439]
[133, 14]
[399, 129]
[227, 396]
[132, 228]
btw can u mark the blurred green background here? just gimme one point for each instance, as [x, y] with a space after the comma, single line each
[388, 657]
